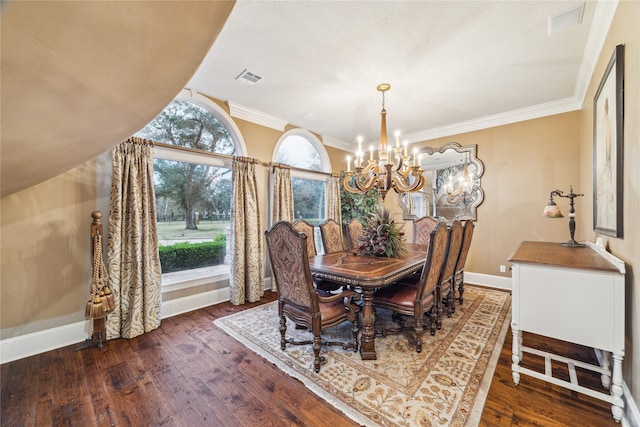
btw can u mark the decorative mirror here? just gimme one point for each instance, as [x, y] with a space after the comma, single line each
[452, 184]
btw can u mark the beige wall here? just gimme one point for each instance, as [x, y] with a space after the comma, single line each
[46, 265]
[624, 30]
[523, 163]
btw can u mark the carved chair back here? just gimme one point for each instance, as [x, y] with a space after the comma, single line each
[354, 231]
[462, 258]
[446, 281]
[331, 233]
[422, 228]
[304, 227]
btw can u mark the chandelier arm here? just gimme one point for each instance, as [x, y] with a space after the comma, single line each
[402, 184]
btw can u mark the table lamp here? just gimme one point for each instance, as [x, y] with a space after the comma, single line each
[553, 211]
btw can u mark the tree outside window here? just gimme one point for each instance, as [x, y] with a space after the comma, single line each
[193, 197]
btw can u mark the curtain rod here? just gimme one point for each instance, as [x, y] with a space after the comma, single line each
[231, 157]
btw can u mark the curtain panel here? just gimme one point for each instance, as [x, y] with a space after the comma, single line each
[282, 193]
[135, 275]
[334, 210]
[247, 244]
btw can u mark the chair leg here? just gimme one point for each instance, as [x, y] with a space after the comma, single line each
[419, 331]
[433, 318]
[452, 299]
[461, 291]
[283, 330]
[355, 329]
[316, 353]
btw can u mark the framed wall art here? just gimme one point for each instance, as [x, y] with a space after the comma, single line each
[608, 152]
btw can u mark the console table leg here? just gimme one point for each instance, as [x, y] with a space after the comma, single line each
[606, 365]
[617, 410]
[516, 357]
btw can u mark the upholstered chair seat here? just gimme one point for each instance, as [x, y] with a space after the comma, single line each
[417, 300]
[298, 298]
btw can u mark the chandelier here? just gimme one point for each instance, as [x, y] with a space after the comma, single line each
[392, 169]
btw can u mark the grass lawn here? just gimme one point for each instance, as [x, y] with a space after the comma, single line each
[175, 230]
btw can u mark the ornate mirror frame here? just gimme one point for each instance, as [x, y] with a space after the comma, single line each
[452, 189]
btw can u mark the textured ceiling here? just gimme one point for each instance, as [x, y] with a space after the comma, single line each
[449, 63]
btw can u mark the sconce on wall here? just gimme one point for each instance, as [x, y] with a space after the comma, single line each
[553, 211]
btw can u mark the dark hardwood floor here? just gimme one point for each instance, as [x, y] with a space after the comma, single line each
[190, 373]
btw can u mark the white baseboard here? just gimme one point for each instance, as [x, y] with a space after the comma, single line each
[38, 342]
[491, 281]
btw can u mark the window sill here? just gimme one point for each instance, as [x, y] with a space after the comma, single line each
[190, 278]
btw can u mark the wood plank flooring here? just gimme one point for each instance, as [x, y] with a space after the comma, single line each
[190, 373]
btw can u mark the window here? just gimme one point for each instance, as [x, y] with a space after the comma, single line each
[193, 188]
[303, 151]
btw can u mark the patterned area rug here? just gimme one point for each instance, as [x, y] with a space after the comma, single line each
[445, 385]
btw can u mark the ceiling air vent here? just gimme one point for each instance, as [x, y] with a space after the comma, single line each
[248, 77]
[565, 20]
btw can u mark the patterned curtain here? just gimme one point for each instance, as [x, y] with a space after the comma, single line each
[247, 245]
[282, 193]
[334, 210]
[134, 264]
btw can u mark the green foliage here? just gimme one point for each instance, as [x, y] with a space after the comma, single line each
[382, 236]
[190, 186]
[358, 206]
[185, 256]
[308, 198]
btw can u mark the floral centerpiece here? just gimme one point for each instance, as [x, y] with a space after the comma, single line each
[382, 236]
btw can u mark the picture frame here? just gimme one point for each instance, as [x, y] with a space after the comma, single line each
[608, 148]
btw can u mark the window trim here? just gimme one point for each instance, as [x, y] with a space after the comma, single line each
[296, 172]
[325, 162]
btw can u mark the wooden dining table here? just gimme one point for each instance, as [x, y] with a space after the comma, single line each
[367, 273]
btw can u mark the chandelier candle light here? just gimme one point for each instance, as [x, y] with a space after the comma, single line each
[553, 211]
[386, 172]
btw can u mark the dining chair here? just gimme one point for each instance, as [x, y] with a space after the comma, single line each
[446, 288]
[422, 228]
[417, 299]
[354, 231]
[467, 235]
[331, 236]
[304, 227]
[298, 298]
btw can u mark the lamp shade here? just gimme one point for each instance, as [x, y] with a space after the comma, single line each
[552, 210]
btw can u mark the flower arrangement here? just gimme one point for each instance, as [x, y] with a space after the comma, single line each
[381, 236]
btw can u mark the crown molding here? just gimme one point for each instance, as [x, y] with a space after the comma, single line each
[602, 18]
[536, 111]
[254, 116]
[336, 143]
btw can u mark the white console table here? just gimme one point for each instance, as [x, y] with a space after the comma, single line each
[574, 295]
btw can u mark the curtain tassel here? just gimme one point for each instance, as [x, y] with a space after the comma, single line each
[107, 299]
[95, 308]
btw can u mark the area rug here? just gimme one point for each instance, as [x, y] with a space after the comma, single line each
[444, 385]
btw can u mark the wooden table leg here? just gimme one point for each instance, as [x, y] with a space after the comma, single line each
[368, 345]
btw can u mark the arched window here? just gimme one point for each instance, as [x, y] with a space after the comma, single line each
[192, 185]
[309, 174]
